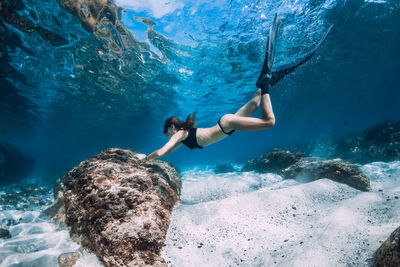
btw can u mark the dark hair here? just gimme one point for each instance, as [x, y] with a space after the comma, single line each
[186, 125]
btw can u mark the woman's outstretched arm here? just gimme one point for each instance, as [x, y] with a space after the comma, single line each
[173, 143]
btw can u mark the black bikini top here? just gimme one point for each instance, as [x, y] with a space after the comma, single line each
[191, 140]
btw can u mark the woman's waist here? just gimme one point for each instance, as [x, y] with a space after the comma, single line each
[208, 136]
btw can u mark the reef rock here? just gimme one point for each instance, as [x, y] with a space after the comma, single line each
[118, 206]
[388, 254]
[379, 143]
[4, 233]
[335, 169]
[68, 259]
[274, 161]
[292, 165]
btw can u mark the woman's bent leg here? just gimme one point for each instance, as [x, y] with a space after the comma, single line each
[266, 108]
[234, 122]
[251, 106]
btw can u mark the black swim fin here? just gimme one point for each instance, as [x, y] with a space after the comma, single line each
[265, 74]
[278, 75]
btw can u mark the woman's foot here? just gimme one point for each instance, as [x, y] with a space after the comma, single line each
[263, 80]
[265, 74]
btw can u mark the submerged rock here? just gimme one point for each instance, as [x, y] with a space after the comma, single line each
[4, 233]
[389, 252]
[335, 169]
[118, 206]
[68, 259]
[378, 143]
[292, 165]
[274, 161]
[223, 168]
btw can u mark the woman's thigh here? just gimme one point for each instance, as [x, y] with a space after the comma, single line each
[233, 122]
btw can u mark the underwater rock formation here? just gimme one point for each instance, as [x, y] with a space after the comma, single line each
[118, 206]
[274, 161]
[335, 169]
[378, 143]
[14, 165]
[4, 233]
[68, 259]
[292, 165]
[389, 252]
[223, 168]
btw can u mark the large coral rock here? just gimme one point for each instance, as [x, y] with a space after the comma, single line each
[388, 254]
[378, 143]
[293, 164]
[118, 206]
[274, 161]
[335, 169]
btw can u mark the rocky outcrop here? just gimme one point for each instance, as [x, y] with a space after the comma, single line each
[118, 206]
[388, 255]
[14, 165]
[379, 143]
[4, 233]
[292, 165]
[335, 169]
[68, 259]
[274, 161]
[224, 168]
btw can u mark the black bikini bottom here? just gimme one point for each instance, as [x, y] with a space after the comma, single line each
[222, 129]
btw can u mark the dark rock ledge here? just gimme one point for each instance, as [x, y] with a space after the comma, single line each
[292, 165]
[388, 255]
[118, 207]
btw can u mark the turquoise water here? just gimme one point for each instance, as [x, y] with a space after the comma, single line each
[69, 94]
[61, 104]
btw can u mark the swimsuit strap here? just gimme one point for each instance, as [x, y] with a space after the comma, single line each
[222, 129]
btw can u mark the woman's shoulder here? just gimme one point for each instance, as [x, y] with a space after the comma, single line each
[182, 134]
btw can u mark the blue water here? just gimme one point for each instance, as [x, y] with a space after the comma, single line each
[60, 104]
[64, 103]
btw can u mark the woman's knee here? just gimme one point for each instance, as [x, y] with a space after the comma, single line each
[228, 118]
[269, 122]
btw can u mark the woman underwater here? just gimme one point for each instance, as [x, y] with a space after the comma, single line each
[184, 132]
